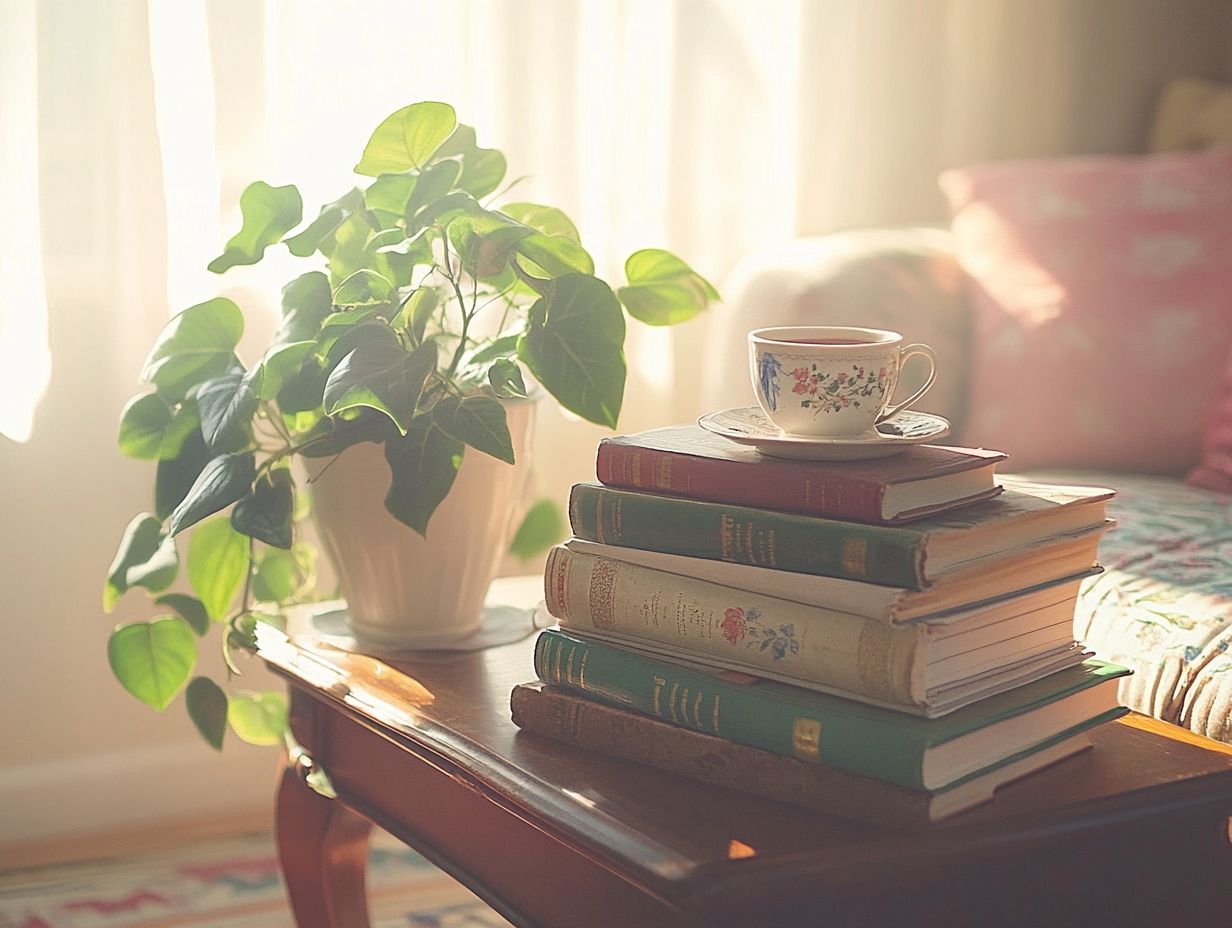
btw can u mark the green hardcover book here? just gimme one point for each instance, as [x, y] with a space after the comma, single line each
[929, 754]
[1025, 516]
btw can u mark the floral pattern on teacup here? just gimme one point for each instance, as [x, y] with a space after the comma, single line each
[823, 391]
[768, 373]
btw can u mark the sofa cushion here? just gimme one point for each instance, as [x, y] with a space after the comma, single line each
[1102, 323]
[1163, 605]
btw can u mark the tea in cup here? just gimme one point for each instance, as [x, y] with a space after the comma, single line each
[830, 381]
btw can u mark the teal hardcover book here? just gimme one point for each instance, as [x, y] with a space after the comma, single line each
[892, 746]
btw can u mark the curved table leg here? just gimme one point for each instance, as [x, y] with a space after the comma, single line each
[323, 850]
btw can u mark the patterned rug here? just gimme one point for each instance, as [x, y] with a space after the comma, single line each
[232, 883]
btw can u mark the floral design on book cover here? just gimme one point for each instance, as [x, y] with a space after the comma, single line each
[744, 626]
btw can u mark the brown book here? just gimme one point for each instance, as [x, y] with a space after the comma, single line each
[560, 715]
[692, 462]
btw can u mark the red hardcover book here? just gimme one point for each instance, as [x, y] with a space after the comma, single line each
[689, 461]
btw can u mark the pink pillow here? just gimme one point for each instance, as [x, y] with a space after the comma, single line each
[1215, 470]
[1102, 296]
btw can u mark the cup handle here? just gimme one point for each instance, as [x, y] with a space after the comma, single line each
[907, 352]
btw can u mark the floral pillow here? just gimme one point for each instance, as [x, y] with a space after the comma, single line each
[1102, 298]
[1214, 472]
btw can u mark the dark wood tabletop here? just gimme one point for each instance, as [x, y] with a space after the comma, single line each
[1133, 831]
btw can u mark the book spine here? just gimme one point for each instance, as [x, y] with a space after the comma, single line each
[739, 712]
[555, 713]
[857, 656]
[758, 537]
[766, 484]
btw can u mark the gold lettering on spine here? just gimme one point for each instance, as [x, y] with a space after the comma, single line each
[603, 593]
[671, 701]
[569, 665]
[635, 461]
[559, 648]
[806, 738]
[582, 669]
[684, 705]
[714, 714]
[697, 707]
[659, 683]
[855, 557]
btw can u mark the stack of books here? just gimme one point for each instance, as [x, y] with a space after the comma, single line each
[888, 640]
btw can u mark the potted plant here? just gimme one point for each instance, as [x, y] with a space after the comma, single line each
[396, 374]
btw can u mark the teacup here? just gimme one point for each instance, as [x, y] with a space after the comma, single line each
[830, 381]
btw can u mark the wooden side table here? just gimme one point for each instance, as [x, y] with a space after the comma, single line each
[1135, 831]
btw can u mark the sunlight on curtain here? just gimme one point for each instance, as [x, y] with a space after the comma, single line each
[25, 360]
[184, 108]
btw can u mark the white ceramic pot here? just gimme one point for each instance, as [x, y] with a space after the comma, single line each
[402, 589]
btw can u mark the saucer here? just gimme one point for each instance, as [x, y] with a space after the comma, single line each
[750, 426]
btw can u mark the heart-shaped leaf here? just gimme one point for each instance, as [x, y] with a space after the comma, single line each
[424, 463]
[574, 346]
[477, 420]
[196, 345]
[546, 219]
[222, 481]
[207, 707]
[269, 214]
[390, 193]
[506, 379]
[416, 312]
[362, 288]
[432, 186]
[556, 255]
[662, 289]
[304, 243]
[306, 301]
[152, 660]
[142, 425]
[146, 558]
[280, 364]
[176, 475]
[407, 139]
[189, 608]
[258, 718]
[265, 513]
[226, 405]
[482, 168]
[282, 575]
[217, 562]
[381, 377]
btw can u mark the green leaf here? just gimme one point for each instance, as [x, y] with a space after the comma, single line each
[279, 365]
[279, 577]
[546, 219]
[176, 475]
[142, 426]
[338, 324]
[269, 214]
[371, 331]
[543, 526]
[390, 193]
[477, 420]
[416, 312]
[265, 513]
[424, 463]
[445, 210]
[207, 707]
[574, 347]
[223, 480]
[486, 241]
[662, 289]
[258, 718]
[304, 243]
[227, 405]
[432, 186]
[306, 301]
[217, 562]
[196, 345]
[152, 660]
[189, 608]
[146, 558]
[329, 437]
[184, 422]
[506, 379]
[557, 255]
[407, 138]
[362, 288]
[385, 378]
[482, 168]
